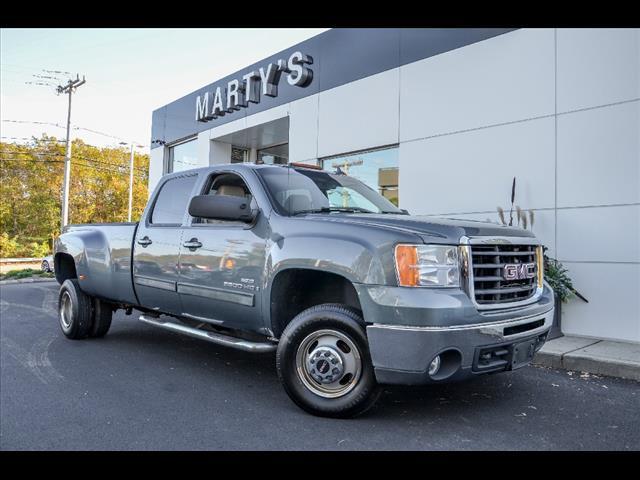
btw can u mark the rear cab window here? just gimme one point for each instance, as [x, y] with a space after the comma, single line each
[172, 201]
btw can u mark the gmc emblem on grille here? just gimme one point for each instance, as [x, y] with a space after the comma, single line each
[519, 271]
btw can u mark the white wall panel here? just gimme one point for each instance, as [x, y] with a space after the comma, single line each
[156, 164]
[603, 234]
[359, 115]
[613, 311]
[503, 79]
[220, 152]
[267, 115]
[204, 150]
[303, 129]
[597, 66]
[599, 156]
[227, 128]
[473, 171]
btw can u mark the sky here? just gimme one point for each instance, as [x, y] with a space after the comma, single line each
[129, 73]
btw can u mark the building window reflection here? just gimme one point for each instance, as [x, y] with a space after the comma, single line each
[275, 155]
[376, 168]
[183, 156]
[239, 154]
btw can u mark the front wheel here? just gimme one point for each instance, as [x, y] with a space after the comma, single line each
[324, 364]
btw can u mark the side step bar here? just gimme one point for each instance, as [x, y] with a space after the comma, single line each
[213, 337]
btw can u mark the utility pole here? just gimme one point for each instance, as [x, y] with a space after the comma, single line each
[133, 144]
[130, 184]
[69, 89]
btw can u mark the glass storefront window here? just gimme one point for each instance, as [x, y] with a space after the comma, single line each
[239, 154]
[377, 168]
[276, 155]
[183, 156]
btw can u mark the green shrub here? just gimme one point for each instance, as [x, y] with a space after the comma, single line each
[37, 249]
[8, 246]
[11, 248]
[24, 273]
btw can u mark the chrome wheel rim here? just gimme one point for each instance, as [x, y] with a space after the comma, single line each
[45, 266]
[65, 310]
[329, 363]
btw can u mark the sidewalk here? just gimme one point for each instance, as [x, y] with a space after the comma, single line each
[602, 357]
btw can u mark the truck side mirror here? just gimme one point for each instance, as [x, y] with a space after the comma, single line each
[222, 207]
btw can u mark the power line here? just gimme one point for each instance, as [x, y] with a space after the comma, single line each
[29, 160]
[99, 133]
[75, 127]
[41, 84]
[56, 71]
[30, 68]
[35, 139]
[34, 122]
[52, 140]
[31, 152]
[81, 157]
[115, 168]
[48, 77]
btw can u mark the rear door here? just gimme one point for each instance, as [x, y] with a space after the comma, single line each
[222, 263]
[157, 245]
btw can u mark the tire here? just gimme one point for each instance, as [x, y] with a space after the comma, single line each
[310, 336]
[45, 266]
[102, 313]
[74, 310]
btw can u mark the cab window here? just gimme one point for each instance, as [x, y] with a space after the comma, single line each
[172, 201]
[225, 184]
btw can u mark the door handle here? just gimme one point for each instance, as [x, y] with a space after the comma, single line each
[192, 244]
[145, 242]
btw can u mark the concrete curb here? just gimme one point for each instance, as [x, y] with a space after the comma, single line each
[600, 357]
[22, 260]
[26, 280]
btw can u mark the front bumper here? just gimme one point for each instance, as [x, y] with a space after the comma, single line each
[445, 324]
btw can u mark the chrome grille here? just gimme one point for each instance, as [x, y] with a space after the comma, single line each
[489, 284]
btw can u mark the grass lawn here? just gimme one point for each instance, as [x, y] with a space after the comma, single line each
[25, 273]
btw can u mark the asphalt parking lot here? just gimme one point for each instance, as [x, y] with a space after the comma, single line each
[142, 388]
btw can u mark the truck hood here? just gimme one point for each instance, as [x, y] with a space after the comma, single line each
[430, 229]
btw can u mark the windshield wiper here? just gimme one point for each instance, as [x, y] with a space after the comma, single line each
[334, 209]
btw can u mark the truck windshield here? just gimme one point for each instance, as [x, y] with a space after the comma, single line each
[297, 191]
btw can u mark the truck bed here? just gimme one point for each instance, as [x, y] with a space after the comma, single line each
[103, 253]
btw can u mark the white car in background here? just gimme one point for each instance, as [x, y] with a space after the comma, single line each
[47, 264]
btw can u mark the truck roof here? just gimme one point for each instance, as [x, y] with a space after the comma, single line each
[243, 166]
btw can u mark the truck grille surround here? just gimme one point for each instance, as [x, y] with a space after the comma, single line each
[489, 288]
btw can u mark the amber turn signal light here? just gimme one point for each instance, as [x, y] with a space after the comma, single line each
[406, 265]
[540, 261]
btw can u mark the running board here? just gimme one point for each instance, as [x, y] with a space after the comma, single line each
[213, 337]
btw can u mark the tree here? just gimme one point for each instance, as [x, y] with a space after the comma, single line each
[31, 189]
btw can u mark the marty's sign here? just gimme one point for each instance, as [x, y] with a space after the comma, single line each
[238, 93]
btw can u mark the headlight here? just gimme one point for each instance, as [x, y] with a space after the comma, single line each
[427, 265]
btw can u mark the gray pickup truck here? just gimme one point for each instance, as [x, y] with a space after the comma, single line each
[350, 291]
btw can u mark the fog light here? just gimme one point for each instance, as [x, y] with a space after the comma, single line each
[434, 366]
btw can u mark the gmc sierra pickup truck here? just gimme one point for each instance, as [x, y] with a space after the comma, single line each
[348, 290]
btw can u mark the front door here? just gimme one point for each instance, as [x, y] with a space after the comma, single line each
[222, 263]
[157, 246]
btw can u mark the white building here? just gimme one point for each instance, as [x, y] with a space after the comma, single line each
[443, 119]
